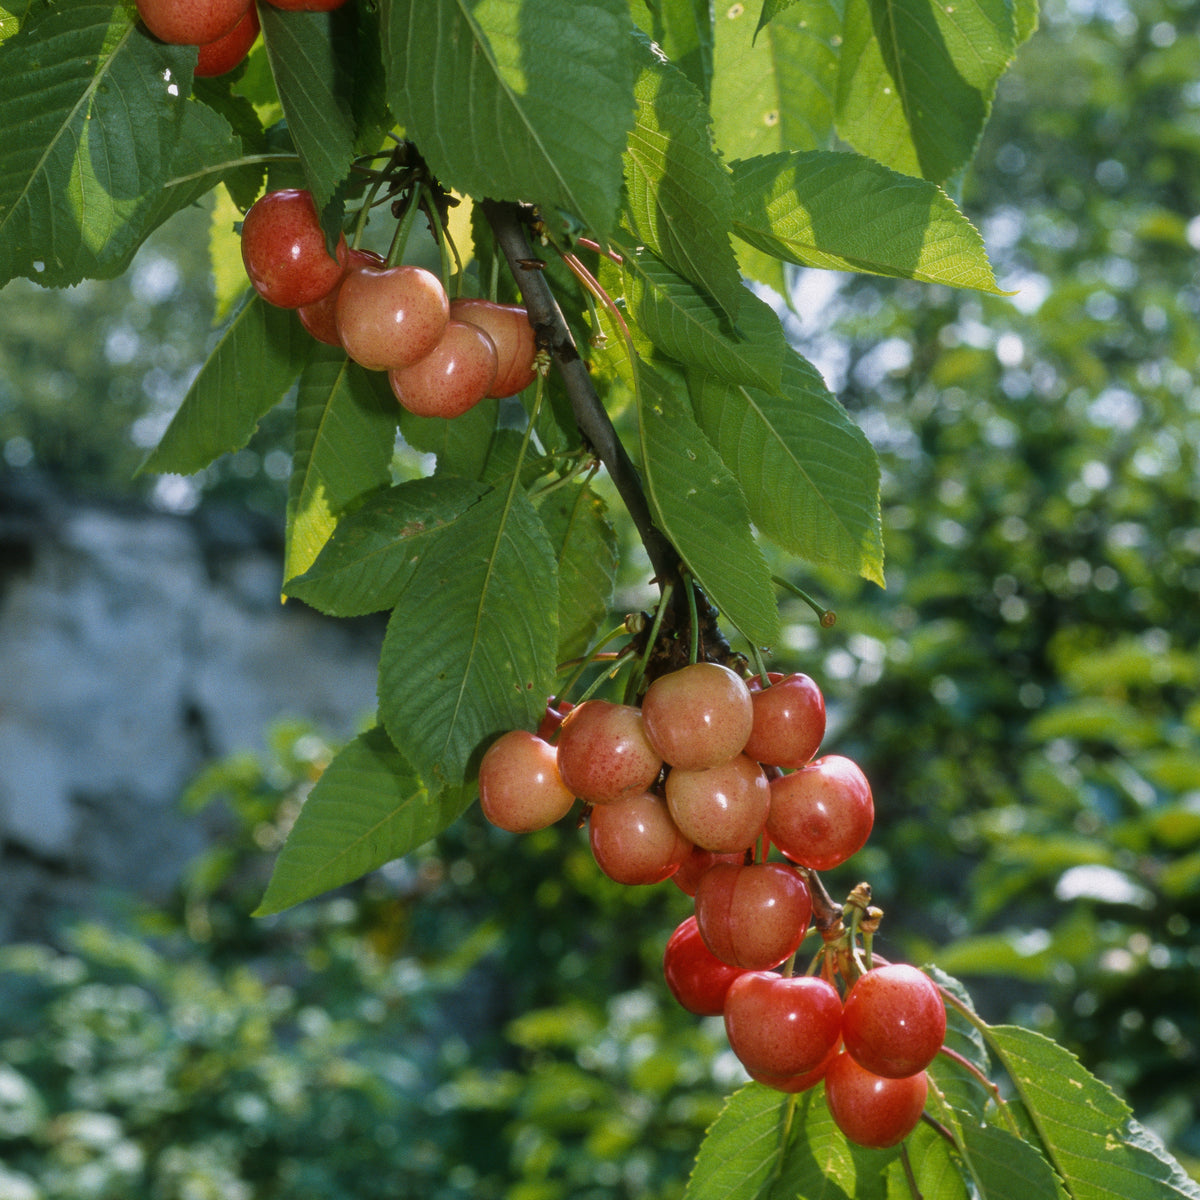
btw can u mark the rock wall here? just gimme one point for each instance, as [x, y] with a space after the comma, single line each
[136, 646]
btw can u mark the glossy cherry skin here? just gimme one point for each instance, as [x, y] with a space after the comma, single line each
[452, 378]
[319, 317]
[221, 56]
[752, 916]
[603, 752]
[516, 346]
[390, 317]
[821, 814]
[699, 716]
[869, 1109]
[283, 249]
[634, 841]
[552, 718]
[789, 722]
[687, 878]
[895, 1021]
[519, 786]
[721, 808]
[191, 22]
[801, 1081]
[694, 975]
[782, 1025]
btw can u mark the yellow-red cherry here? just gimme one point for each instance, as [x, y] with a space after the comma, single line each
[191, 22]
[869, 1109]
[284, 252]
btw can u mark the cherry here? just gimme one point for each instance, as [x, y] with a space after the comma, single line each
[519, 785]
[698, 716]
[789, 722]
[697, 862]
[319, 317]
[390, 317]
[634, 840]
[553, 718]
[782, 1025]
[869, 1109]
[696, 977]
[516, 346]
[216, 58]
[191, 22]
[752, 916]
[283, 248]
[801, 1081]
[452, 378]
[895, 1021]
[603, 752]
[721, 808]
[821, 814]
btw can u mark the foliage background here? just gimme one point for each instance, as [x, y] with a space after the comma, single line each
[487, 1018]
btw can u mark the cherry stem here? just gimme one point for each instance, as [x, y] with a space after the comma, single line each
[400, 238]
[693, 620]
[588, 244]
[445, 245]
[971, 1069]
[826, 616]
[664, 601]
[592, 656]
[553, 334]
[785, 1132]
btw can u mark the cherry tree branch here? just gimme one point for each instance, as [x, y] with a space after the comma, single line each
[510, 230]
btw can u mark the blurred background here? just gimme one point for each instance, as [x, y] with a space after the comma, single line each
[487, 1017]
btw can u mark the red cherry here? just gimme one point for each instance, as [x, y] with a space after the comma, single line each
[721, 808]
[789, 722]
[821, 814]
[800, 1082]
[452, 378]
[319, 317]
[697, 862]
[699, 716]
[752, 916]
[895, 1021]
[216, 58]
[516, 346]
[191, 22]
[869, 1109]
[283, 248]
[782, 1025]
[603, 752]
[553, 718]
[519, 785]
[634, 840]
[390, 317]
[695, 976]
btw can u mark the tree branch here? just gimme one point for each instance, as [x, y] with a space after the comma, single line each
[509, 229]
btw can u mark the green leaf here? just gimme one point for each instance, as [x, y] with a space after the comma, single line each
[775, 91]
[916, 79]
[678, 193]
[697, 503]
[819, 1161]
[683, 30]
[1004, 1167]
[253, 365]
[810, 477]
[367, 563]
[314, 72]
[469, 648]
[368, 807]
[345, 435]
[517, 99]
[937, 1171]
[586, 547]
[92, 109]
[770, 10]
[844, 212]
[1086, 1131]
[462, 446]
[686, 325]
[736, 1160]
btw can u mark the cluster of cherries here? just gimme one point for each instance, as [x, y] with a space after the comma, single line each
[696, 785]
[441, 356]
[224, 30]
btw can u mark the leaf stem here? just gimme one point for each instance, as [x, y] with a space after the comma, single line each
[826, 616]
